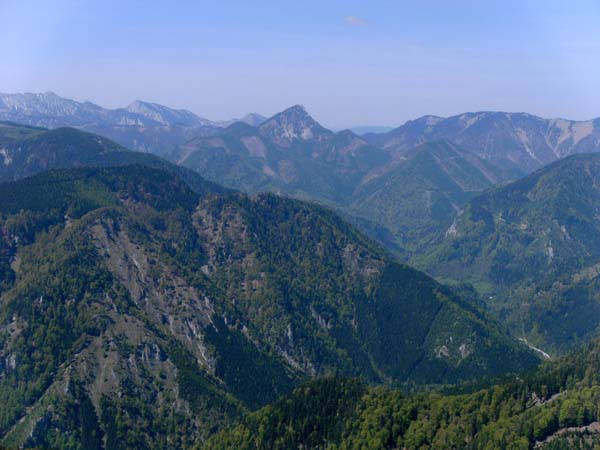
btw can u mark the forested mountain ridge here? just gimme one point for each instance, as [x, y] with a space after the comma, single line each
[140, 313]
[26, 151]
[554, 408]
[78, 348]
[416, 197]
[532, 248]
[401, 202]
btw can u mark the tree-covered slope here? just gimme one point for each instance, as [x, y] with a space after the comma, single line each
[86, 355]
[554, 407]
[26, 151]
[136, 312]
[345, 302]
[289, 153]
[533, 248]
[10, 131]
[417, 196]
[402, 202]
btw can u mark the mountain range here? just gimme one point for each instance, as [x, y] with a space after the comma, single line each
[142, 126]
[289, 153]
[26, 151]
[397, 186]
[410, 198]
[513, 140]
[400, 199]
[425, 202]
[144, 307]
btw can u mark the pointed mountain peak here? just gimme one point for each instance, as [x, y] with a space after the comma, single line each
[296, 109]
[294, 113]
[347, 132]
[294, 123]
[240, 128]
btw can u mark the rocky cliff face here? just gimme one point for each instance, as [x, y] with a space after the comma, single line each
[293, 124]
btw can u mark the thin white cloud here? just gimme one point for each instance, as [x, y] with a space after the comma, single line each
[355, 21]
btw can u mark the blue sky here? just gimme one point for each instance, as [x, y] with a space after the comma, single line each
[349, 62]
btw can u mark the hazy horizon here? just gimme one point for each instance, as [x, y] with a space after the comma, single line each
[350, 64]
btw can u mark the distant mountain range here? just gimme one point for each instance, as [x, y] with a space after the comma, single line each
[511, 140]
[142, 126]
[514, 140]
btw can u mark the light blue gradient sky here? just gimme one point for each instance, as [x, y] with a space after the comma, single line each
[392, 61]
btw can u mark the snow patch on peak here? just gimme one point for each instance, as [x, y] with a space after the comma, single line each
[138, 106]
[149, 110]
[165, 115]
